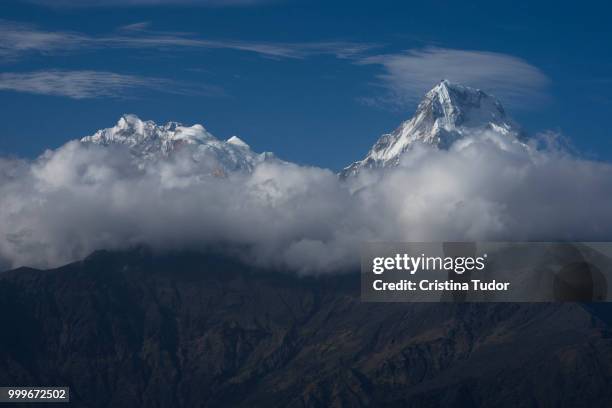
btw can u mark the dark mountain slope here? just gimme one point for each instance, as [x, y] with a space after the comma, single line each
[135, 329]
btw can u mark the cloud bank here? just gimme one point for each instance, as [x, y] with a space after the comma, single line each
[408, 75]
[79, 198]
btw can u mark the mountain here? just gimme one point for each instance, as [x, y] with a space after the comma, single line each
[134, 328]
[149, 141]
[447, 113]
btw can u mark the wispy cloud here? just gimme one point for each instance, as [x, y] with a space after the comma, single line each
[93, 84]
[17, 39]
[408, 75]
[140, 3]
[339, 49]
[135, 27]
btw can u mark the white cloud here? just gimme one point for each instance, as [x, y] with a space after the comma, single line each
[137, 3]
[92, 84]
[135, 27]
[339, 49]
[18, 39]
[80, 198]
[408, 75]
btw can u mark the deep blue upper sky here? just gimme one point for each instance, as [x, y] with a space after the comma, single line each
[314, 81]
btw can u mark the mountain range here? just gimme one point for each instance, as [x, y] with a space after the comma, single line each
[148, 141]
[201, 329]
[447, 113]
[135, 328]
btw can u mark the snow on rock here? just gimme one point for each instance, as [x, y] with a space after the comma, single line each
[446, 114]
[148, 141]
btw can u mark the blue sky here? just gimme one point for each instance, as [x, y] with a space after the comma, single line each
[314, 81]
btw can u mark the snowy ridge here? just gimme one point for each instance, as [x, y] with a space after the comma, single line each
[444, 115]
[149, 141]
[447, 113]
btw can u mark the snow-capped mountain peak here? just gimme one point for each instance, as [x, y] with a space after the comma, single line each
[138, 134]
[236, 141]
[148, 141]
[446, 113]
[454, 105]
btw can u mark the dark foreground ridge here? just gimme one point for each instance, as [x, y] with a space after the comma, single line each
[134, 329]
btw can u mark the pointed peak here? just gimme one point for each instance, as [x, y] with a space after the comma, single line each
[454, 101]
[131, 123]
[442, 85]
[447, 113]
[236, 141]
[451, 90]
[128, 120]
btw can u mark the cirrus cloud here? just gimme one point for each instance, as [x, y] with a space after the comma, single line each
[141, 3]
[94, 84]
[17, 39]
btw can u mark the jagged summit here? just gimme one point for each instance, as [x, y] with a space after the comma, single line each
[456, 105]
[146, 137]
[444, 115]
[236, 141]
[149, 141]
